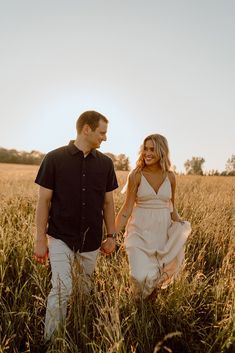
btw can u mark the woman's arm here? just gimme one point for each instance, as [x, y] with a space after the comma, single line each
[174, 215]
[127, 207]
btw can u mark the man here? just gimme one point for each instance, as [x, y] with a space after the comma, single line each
[75, 196]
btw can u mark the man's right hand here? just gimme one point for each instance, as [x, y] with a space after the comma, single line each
[41, 250]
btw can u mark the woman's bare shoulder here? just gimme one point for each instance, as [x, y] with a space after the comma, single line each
[134, 176]
[171, 176]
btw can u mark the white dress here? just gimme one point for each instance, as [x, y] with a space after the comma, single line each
[154, 244]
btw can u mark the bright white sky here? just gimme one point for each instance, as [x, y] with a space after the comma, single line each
[150, 66]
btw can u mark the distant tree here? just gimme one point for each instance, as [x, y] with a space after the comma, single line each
[112, 156]
[174, 169]
[3, 155]
[232, 173]
[20, 157]
[122, 162]
[224, 173]
[194, 166]
[230, 165]
[213, 172]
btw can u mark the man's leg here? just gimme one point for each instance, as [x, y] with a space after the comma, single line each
[61, 258]
[87, 261]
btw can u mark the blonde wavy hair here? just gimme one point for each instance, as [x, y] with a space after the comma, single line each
[161, 148]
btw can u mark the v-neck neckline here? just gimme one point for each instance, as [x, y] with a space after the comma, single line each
[156, 192]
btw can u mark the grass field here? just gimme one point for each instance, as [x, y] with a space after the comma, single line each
[195, 314]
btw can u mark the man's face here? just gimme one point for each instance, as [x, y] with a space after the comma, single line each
[96, 137]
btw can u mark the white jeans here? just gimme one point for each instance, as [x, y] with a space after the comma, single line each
[61, 260]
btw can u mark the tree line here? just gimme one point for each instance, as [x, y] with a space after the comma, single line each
[121, 161]
[20, 157]
[193, 166]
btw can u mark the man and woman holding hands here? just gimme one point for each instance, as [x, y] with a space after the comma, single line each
[76, 184]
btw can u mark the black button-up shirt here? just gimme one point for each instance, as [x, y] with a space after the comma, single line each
[79, 185]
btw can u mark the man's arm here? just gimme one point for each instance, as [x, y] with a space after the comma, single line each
[108, 245]
[42, 213]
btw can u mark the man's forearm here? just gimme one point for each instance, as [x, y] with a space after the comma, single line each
[109, 217]
[42, 213]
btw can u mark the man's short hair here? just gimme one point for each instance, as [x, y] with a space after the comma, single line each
[91, 118]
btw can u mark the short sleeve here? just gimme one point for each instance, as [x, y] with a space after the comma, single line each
[112, 183]
[46, 173]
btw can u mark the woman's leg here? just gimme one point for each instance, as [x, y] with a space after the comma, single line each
[143, 271]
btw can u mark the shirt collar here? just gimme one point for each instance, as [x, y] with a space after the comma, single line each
[74, 150]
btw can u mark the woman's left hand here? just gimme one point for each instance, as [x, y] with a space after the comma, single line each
[180, 221]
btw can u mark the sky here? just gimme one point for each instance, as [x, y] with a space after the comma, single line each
[150, 66]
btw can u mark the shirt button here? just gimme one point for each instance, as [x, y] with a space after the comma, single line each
[83, 189]
[84, 203]
[83, 174]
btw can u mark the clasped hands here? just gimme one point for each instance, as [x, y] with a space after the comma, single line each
[108, 246]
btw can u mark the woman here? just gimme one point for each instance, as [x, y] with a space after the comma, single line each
[155, 235]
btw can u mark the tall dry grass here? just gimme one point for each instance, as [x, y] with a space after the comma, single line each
[195, 314]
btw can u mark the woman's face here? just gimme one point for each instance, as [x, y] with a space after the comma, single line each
[149, 153]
